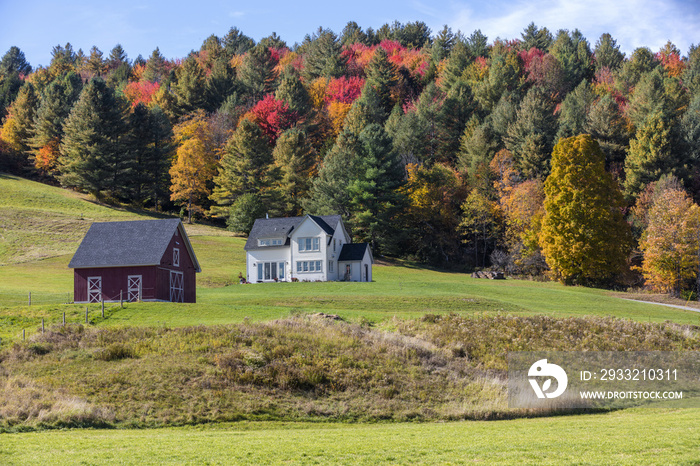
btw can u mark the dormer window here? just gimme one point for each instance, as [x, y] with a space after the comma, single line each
[270, 242]
[309, 244]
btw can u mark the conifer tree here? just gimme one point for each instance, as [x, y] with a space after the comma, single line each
[382, 76]
[295, 159]
[607, 53]
[236, 43]
[322, 58]
[93, 146]
[190, 86]
[293, 92]
[54, 106]
[257, 73]
[654, 151]
[531, 137]
[220, 84]
[246, 167]
[155, 70]
[606, 125]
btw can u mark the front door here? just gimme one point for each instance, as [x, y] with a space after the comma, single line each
[177, 288]
[134, 288]
[94, 288]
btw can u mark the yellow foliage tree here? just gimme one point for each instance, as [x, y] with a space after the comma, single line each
[195, 163]
[584, 237]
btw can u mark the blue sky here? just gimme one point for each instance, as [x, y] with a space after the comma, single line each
[177, 27]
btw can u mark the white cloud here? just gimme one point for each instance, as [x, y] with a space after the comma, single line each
[633, 23]
[236, 14]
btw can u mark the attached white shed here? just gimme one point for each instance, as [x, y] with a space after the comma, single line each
[355, 263]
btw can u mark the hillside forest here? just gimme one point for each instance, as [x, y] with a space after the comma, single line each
[540, 155]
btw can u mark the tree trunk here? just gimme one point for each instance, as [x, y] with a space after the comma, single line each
[189, 210]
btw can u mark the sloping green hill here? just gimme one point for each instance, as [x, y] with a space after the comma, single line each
[39, 221]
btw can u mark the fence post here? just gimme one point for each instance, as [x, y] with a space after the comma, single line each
[103, 305]
[23, 334]
[86, 314]
[64, 318]
[121, 300]
[30, 298]
[42, 325]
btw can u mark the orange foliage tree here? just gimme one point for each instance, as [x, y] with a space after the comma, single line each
[670, 242]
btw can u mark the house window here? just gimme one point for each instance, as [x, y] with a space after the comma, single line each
[309, 244]
[309, 266]
[330, 266]
[269, 271]
[176, 257]
[270, 242]
[333, 246]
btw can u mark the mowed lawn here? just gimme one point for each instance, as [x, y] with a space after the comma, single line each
[399, 290]
[631, 437]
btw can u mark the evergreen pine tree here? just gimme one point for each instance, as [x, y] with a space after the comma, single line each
[322, 58]
[373, 193]
[220, 84]
[531, 137]
[155, 70]
[607, 53]
[54, 106]
[295, 158]
[606, 125]
[190, 86]
[93, 146]
[245, 167]
[257, 73]
[293, 92]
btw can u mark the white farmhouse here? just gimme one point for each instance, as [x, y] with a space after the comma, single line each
[308, 248]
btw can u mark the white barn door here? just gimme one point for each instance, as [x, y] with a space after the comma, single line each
[177, 287]
[134, 288]
[94, 289]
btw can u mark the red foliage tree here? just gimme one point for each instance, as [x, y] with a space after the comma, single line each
[273, 116]
[141, 92]
[344, 90]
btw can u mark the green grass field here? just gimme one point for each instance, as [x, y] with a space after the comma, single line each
[41, 226]
[632, 437]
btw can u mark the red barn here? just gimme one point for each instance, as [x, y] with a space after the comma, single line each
[143, 260]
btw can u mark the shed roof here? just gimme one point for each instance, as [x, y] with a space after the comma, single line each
[282, 227]
[131, 243]
[353, 252]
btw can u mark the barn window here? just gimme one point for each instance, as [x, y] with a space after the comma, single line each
[176, 257]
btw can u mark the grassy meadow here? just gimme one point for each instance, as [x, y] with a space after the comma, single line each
[668, 437]
[417, 344]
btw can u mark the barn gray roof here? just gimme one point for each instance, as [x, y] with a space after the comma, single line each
[283, 227]
[353, 252]
[132, 243]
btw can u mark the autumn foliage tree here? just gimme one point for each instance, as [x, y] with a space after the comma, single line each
[584, 237]
[670, 242]
[195, 164]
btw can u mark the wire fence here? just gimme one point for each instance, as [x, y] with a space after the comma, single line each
[12, 299]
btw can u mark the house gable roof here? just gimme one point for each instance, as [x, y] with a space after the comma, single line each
[132, 243]
[352, 252]
[283, 228]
